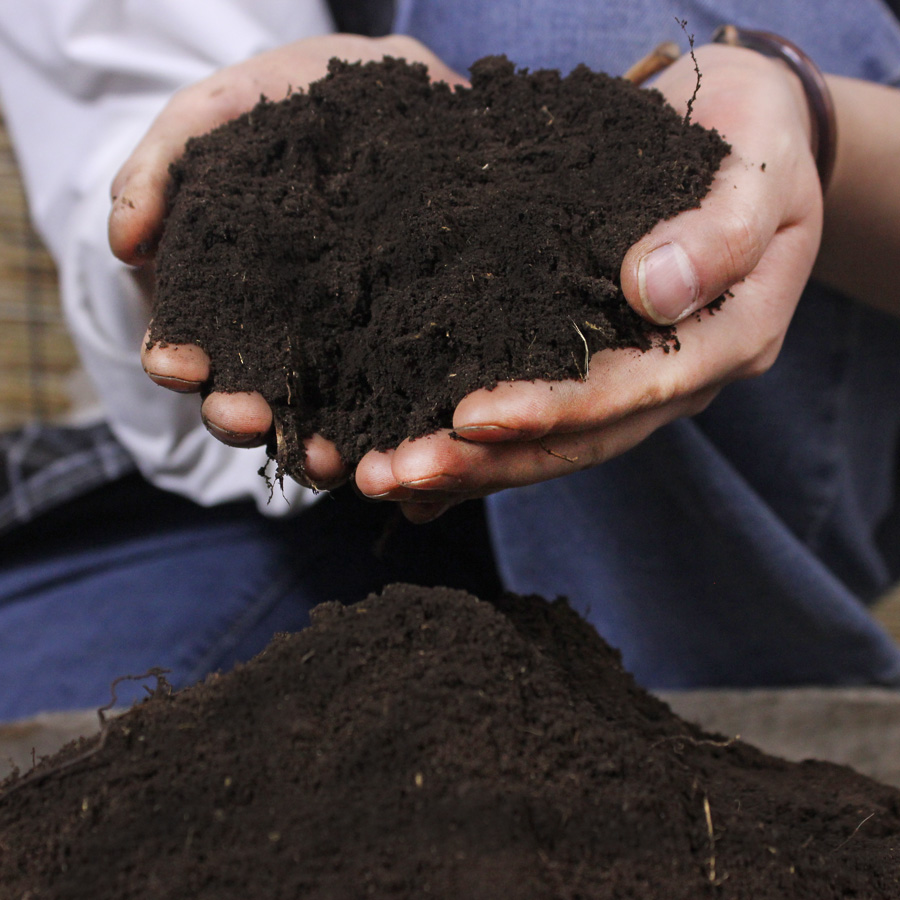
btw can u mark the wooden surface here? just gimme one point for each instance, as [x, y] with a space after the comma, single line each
[36, 354]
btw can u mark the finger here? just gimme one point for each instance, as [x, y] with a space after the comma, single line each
[479, 469]
[139, 189]
[324, 468]
[374, 478]
[527, 410]
[741, 340]
[687, 262]
[240, 419]
[619, 383]
[179, 367]
[769, 182]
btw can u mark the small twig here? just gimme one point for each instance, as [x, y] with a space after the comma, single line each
[690, 103]
[660, 57]
[161, 685]
[36, 777]
[683, 738]
[712, 839]
[546, 449]
[853, 833]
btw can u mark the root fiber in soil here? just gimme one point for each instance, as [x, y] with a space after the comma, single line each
[423, 743]
[366, 253]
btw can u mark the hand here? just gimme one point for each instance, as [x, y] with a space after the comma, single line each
[755, 236]
[139, 206]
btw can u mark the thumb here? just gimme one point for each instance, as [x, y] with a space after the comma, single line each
[688, 261]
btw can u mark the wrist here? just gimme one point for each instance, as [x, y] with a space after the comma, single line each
[819, 103]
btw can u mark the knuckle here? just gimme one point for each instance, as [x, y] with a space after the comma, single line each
[741, 242]
[659, 392]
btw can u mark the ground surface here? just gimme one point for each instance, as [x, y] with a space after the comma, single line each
[369, 252]
[425, 743]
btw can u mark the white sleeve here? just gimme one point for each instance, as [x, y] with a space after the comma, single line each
[80, 83]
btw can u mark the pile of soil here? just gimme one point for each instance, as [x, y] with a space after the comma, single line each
[427, 744]
[368, 252]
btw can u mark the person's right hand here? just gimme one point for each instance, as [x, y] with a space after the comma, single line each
[755, 235]
[139, 207]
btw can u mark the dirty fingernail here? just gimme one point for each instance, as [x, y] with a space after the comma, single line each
[180, 385]
[668, 284]
[234, 438]
[489, 433]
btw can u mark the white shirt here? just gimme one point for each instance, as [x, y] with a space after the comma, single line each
[80, 83]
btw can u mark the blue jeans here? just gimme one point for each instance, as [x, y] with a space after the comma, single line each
[738, 548]
[741, 547]
[130, 578]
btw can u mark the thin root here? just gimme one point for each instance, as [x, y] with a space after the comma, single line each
[546, 449]
[712, 839]
[162, 686]
[681, 738]
[853, 833]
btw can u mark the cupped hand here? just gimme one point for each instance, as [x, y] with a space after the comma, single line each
[139, 207]
[755, 237]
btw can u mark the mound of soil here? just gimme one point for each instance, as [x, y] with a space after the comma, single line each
[427, 744]
[367, 253]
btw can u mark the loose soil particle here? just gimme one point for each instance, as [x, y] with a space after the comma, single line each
[367, 253]
[427, 744]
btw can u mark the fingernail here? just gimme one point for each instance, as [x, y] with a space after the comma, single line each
[668, 284]
[489, 433]
[179, 385]
[234, 438]
[398, 494]
[434, 483]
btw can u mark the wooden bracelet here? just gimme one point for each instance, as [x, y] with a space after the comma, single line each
[818, 96]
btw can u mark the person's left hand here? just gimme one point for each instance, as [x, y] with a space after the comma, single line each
[756, 236]
[139, 197]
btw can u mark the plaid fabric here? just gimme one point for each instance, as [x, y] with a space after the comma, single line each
[43, 466]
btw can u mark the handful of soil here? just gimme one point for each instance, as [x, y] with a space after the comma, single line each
[367, 253]
[423, 743]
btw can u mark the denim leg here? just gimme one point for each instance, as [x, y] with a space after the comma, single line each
[132, 578]
[738, 548]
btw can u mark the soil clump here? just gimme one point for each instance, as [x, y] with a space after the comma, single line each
[426, 743]
[368, 252]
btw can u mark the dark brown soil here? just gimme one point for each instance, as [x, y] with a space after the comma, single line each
[367, 253]
[427, 744]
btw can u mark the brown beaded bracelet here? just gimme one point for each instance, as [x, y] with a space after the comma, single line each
[818, 96]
